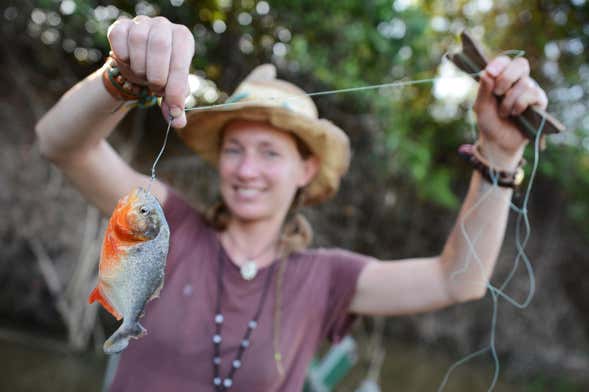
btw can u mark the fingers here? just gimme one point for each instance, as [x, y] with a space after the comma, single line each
[517, 69]
[137, 44]
[507, 72]
[177, 84]
[497, 65]
[117, 37]
[159, 49]
[511, 81]
[523, 94]
[157, 53]
[541, 100]
[178, 115]
[513, 95]
[485, 97]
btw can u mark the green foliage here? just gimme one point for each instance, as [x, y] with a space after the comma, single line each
[348, 43]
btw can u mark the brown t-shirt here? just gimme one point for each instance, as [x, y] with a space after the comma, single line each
[177, 353]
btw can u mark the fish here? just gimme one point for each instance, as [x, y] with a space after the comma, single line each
[132, 264]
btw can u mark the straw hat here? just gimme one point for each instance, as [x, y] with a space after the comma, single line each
[262, 97]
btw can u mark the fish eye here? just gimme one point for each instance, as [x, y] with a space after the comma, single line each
[144, 211]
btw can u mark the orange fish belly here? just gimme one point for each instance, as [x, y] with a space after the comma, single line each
[96, 295]
[111, 258]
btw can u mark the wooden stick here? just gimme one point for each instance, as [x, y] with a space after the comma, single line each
[472, 60]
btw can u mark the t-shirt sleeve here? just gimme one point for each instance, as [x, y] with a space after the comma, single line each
[344, 268]
[185, 222]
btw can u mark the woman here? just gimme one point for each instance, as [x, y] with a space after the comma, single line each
[245, 305]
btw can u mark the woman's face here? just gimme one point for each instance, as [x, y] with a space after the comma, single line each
[260, 170]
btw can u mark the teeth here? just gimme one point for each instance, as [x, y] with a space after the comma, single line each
[247, 192]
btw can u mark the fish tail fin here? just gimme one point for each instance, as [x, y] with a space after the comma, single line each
[120, 339]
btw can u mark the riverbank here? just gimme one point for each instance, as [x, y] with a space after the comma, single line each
[43, 365]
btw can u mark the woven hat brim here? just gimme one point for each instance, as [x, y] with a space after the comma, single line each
[325, 140]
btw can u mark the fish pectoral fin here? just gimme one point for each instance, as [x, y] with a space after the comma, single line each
[96, 295]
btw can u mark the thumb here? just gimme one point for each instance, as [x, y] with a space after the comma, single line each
[177, 114]
[485, 94]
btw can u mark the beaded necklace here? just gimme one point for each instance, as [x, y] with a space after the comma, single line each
[249, 268]
[218, 383]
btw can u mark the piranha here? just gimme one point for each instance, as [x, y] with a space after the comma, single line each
[132, 263]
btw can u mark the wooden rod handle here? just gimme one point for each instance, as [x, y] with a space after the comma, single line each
[472, 60]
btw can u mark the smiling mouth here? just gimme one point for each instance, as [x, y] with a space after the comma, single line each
[247, 192]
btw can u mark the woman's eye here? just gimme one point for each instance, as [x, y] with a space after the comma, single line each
[231, 150]
[271, 154]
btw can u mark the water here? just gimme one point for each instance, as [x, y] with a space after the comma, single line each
[412, 368]
[27, 368]
[407, 368]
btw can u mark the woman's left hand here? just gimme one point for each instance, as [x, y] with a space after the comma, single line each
[509, 79]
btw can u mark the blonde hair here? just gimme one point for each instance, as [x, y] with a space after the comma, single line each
[296, 235]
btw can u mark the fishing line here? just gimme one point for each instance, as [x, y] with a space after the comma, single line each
[522, 212]
[521, 255]
[398, 83]
[170, 118]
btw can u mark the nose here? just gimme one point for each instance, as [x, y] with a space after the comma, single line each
[248, 166]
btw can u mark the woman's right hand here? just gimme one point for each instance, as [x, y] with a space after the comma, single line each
[156, 53]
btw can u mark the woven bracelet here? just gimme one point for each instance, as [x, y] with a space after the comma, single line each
[503, 178]
[123, 90]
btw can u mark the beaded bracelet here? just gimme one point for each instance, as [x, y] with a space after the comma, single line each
[472, 154]
[123, 90]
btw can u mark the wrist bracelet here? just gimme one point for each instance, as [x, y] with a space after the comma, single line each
[123, 90]
[472, 155]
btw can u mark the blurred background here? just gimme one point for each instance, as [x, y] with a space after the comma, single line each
[399, 200]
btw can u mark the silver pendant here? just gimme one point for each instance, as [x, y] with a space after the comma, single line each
[249, 270]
